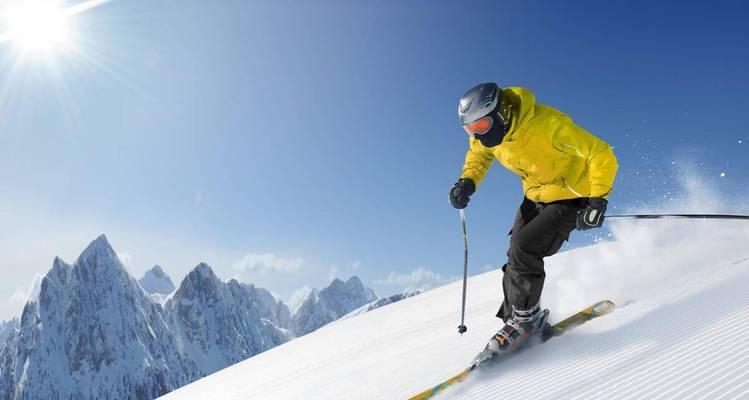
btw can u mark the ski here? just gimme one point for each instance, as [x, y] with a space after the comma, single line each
[596, 310]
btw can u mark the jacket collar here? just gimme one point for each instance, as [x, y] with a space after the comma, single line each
[523, 103]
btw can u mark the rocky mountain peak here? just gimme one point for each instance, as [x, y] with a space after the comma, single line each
[354, 280]
[94, 332]
[353, 290]
[201, 282]
[354, 283]
[99, 262]
[99, 249]
[156, 281]
[157, 271]
[327, 305]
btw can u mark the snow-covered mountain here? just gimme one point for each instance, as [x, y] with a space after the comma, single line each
[94, 332]
[678, 332]
[217, 324]
[156, 281]
[327, 305]
[268, 306]
[381, 303]
[6, 327]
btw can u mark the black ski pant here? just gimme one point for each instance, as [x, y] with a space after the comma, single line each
[539, 231]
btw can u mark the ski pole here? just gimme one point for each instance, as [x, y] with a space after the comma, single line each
[462, 328]
[674, 216]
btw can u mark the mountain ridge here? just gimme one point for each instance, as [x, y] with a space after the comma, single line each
[96, 332]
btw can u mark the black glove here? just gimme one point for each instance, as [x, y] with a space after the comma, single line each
[592, 216]
[460, 193]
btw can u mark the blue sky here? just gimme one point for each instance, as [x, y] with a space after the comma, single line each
[314, 141]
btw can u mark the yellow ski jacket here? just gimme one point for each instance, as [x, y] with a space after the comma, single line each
[555, 158]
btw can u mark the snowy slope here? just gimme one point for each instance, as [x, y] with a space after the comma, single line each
[679, 333]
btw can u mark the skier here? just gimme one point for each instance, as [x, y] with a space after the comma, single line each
[566, 173]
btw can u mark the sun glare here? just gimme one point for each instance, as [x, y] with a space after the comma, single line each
[38, 26]
[46, 40]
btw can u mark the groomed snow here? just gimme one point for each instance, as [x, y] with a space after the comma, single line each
[680, 331]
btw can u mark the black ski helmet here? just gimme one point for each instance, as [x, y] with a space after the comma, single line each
[484, 100]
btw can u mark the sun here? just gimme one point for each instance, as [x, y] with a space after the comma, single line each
[41, 43]
[38, 26]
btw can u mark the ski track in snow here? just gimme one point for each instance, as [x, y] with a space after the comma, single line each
[678, 333]
[662, 354]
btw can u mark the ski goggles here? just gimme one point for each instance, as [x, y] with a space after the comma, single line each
[479, 126]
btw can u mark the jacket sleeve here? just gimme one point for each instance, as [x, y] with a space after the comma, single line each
[477, 163]
[600, 158]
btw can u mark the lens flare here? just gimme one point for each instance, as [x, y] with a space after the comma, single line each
[38, 26]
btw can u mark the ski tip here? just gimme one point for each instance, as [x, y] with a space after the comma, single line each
[603, 307]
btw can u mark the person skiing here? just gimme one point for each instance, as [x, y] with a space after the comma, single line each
[567, 174]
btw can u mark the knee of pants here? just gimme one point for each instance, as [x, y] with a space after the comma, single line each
[521, 261]
[530, 244]
[523, 246]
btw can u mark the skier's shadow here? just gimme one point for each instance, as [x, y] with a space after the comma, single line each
[661, 329]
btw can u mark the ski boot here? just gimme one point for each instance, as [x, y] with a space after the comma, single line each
[522, 325]
[518, 329]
